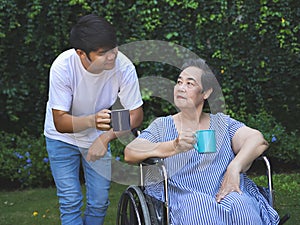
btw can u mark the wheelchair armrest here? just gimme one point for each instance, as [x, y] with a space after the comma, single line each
[269, 178]
[152, 161]
[286, 217]
[149, 161]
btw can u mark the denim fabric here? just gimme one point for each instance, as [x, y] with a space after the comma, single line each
[65, 164]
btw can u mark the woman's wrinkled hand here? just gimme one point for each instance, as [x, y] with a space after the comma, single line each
[184, 142]
[230, 183]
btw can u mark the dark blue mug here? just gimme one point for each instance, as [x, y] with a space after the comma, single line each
[120, 120]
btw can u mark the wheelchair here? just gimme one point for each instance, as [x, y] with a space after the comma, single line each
[137, 208]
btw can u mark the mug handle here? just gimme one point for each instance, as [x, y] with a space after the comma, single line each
[195, 145]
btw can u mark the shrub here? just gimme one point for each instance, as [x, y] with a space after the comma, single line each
[284, 145]
[23, 160]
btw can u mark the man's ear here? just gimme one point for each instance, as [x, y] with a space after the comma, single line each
[80, 52]
[207, 93]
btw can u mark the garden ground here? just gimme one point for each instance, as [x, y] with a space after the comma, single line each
[40, 206]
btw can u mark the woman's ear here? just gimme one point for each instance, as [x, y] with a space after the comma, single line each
[207, 93]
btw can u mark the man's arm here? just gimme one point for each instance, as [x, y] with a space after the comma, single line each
[99, 146]
[136, 117]
[66, 123]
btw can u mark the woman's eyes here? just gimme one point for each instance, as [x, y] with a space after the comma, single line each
[188, 84]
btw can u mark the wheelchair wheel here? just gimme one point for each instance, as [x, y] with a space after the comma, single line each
[132, 208]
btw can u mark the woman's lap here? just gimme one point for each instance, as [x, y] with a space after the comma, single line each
[198, 208]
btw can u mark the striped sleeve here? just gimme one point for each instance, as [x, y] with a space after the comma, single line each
[152, 132]
[233, 126]
[160, 130]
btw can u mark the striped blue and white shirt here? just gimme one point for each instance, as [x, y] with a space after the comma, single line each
[194, 180]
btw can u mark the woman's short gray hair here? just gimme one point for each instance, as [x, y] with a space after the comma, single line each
[208, 80]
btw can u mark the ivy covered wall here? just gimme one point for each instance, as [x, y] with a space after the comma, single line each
[252, 45]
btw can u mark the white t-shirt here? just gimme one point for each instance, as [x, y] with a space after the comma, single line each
[75, 90]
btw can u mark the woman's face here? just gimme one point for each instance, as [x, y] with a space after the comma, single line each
[188, 92]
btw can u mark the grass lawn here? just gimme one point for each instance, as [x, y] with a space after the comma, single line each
[40, 206]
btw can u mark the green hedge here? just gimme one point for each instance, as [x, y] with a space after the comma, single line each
[24, 161]
[252, 45]
[284, 145]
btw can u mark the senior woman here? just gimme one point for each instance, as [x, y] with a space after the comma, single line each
[204, 188]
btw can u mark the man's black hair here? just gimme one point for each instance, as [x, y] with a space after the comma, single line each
[91, 33]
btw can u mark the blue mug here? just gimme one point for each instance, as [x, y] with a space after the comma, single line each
[205, 141]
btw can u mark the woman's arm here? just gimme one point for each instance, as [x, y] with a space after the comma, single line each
[141, 149]
[248, 144]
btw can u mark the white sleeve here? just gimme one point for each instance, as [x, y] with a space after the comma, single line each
[129, 93]
[60, 91]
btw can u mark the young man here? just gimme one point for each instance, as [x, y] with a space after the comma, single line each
[84, 83]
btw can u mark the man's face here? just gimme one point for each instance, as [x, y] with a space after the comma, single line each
[102, 59]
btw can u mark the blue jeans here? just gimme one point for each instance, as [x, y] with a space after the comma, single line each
[65, 164]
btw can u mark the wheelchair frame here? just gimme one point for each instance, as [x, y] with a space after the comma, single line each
[133, 208]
